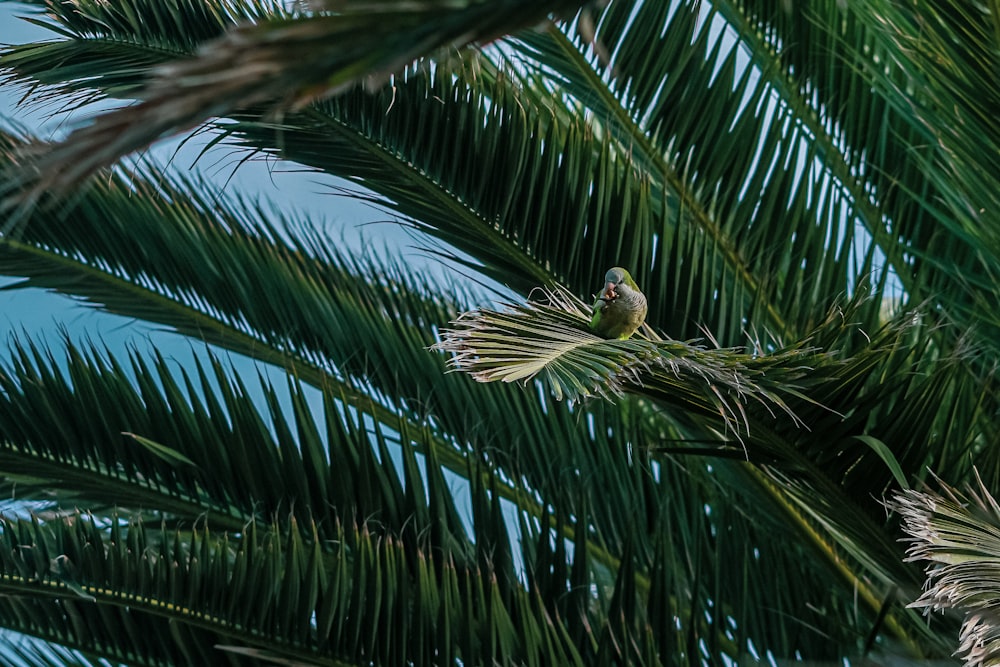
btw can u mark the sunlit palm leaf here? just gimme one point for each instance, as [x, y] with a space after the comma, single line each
[551, 340]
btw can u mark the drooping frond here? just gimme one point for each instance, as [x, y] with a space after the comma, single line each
[827, 457]
[308, 313]
[110, 50]
[753, 164]
[176, 596]
[285, 62]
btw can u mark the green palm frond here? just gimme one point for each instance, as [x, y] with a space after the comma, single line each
[815, 390]
[739, 181]
[351, 347]
[90, 434]
[87, 253]
[145, 595]
[957, 536]
[178, 586]
[283, 61]
[23, 651]
[66, 71]
[403, 143]
[922, 72]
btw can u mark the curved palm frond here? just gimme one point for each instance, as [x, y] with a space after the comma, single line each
[744, 201]
[824, 459]
[353, 345]
[402, 142]
[177, 595]
[531, 448]
[90, 434]
[285, 61]
[275, 595]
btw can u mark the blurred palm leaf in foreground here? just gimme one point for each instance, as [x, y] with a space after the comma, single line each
[806, 193]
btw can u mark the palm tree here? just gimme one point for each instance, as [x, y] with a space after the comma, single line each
[806, 193]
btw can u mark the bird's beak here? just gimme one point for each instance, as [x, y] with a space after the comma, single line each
[609, 292]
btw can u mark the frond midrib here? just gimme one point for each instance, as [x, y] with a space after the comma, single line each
[834, 159]
[425, 183]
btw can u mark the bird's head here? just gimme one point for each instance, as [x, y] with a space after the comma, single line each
[614, 279]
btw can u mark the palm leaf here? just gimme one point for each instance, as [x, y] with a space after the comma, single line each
[277, 595]
[23, 651]
[78, 432]
[105, 268]
[366, 336]
[284, 61]
[551, 340]
[957, 535]
[795, 148]
[731, 180]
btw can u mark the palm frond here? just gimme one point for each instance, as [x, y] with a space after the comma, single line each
[753, 162]
[401, 143]
[283, 61]
[394, 143]
[351, 347]
[270, 593]
[24, 651]
[92, 435]
[817, 389]
[743, 200]
[420, 148]
[957, 536]
[88, 252]
[550, 339]
[186, 591]
[889, 85]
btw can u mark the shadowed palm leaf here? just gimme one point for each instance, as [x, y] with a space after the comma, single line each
[285, 60]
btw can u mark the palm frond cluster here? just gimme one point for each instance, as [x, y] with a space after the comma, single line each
[804, 192]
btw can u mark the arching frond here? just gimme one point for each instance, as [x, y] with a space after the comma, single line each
[753, 163]
[104, 433]
[284, 61]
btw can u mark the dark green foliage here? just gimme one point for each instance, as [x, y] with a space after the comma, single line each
[804, 191]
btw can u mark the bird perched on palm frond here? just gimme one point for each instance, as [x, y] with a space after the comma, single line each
[620, 309]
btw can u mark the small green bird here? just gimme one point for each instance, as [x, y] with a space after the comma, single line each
[621, 307]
